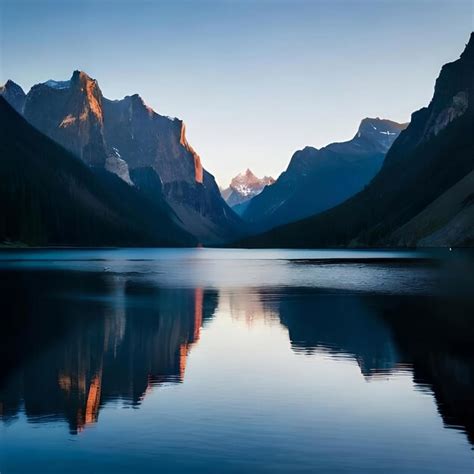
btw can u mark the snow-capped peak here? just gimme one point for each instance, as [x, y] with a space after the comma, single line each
[245, 186]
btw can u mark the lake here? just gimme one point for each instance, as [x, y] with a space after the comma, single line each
[233, 361]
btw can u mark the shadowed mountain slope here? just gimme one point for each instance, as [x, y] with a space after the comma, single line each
[316, 180]
[49, 197]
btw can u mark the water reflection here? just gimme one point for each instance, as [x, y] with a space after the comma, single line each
[249, 305]
[431, 337]
[121, 340]
[75, 341]
[340, 324]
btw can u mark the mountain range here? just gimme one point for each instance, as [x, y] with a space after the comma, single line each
[79, 169]
[423, 194]
[316, 180]
[129, 139]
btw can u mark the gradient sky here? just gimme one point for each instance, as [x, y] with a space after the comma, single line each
[253, 80]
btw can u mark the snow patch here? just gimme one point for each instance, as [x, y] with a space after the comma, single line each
[243, 189]
[58, 84]
[115, 164]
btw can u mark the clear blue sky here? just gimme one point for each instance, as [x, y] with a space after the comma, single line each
[254, 80]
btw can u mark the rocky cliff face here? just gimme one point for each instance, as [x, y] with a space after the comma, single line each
[244, 187]
[70, 112]
[144, 139]
[126, 135]
[316, 180]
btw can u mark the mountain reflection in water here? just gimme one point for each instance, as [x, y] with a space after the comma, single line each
[117, 340]
[76, 341]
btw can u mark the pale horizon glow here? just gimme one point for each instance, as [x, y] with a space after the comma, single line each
[253, 81]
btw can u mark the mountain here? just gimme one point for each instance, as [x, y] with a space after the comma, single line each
[422, 194]
[70, 112]
[49, 197]
[244, 187]
[142, 138]
[448, 219]
[316, 180]
[14, 95]
[126, 135]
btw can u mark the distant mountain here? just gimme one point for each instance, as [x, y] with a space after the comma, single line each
[244, 187]
[125, 135]
[49, 197]
[316, 180]
[423, 194]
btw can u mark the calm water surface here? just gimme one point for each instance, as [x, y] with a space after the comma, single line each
[232, 361]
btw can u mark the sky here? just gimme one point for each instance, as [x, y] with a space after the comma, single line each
[254, 80]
